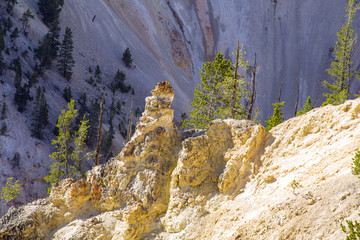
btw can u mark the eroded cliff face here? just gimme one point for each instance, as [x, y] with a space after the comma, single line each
[232, 181]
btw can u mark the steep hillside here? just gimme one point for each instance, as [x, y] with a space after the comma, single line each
[232, 181]
[169, 40]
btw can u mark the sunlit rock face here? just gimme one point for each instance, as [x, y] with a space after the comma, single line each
[231, 181]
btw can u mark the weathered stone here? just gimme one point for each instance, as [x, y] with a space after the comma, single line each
[232, 181]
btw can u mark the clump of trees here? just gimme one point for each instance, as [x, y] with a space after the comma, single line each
[40, 114]
[70, 147]
[221, 91]
[277, 116]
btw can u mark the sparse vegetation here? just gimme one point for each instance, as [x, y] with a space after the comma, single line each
[10, 192]
[277, 116]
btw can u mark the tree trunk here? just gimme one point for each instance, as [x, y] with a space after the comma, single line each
[253, 90]
[99, 133]
[233, 102]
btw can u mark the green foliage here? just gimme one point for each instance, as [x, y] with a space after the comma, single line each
[307, 107]
[27, 15]
[342, 68]
[50, 10]
[118, 83]
[79, 147]
[277, 116]
[355, 168]
[214, 95]
[353, 227]
[70, 147]
[127, 58]
[10, 191]
[82, 109]
[39, 114]
[354, 230]
[66, 61]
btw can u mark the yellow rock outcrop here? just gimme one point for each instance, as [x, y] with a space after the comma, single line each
[232, 181]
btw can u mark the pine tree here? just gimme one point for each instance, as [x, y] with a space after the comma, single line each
[14, 35]
[277, 116]
[127, 58]
[27, 15]
[70, 147]
[44, 51]
[3, 128]
[3, 111]
[67, 94]
[10, 192]
[2, 64]
[79, 148]
[118, 83]
[50, 10]
[2, 41]
[66, 61]
[10, 5]
[39, 114]
[307, 107]
[208, 96]
[82, 109]
[342, 68]
[62, 143]
[97, 74]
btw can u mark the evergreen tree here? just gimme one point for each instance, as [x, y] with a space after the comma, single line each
[27, 15]
[39, 114]
[8, 24]
[67, 94]
[82, 109]
[2, 41]
[2, 64]
[307, 107]
[14, 35]
[3, 111]
[50, 10]
[44, 51]
[97, 74]
[277, 116]
[208, 96]
[10, 5]
[70, 147]
[118, 83]
[3, 128]
[10, 191]
[342, 68]
[127, 58]
[66, 61]
[79, 148]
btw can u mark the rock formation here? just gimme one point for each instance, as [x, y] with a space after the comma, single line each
[232, 181]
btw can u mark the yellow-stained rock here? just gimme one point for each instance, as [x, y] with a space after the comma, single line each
[232, 181]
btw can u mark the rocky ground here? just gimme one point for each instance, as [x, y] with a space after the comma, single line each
[232, 181]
